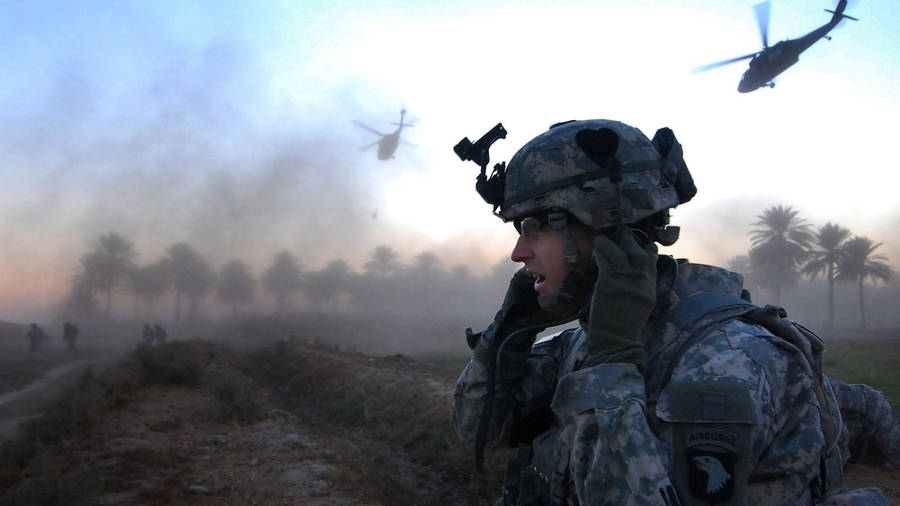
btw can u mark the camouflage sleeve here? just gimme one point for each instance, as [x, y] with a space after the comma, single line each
[519, 402]
[468, 403]
[872, 426]
[614, 456]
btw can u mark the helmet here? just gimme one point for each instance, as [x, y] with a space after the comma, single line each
[584, 167]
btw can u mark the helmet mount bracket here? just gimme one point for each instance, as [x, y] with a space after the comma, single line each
[490, 189]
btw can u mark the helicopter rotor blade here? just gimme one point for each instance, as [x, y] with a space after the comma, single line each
[762, 19]
[367, 146]
[710, 66]
[367, 127]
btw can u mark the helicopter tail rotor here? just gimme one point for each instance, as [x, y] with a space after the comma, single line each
[762, 19]
[403, 115]
[838, 12]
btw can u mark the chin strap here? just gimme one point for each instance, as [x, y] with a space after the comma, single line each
[573, 284]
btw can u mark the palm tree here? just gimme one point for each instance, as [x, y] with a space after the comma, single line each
[383, 261]
[427, 263]
[461, 273]
[324, 285]
[109, 265]
[778, 248]
[282, 279]
[235, 285]
[823, 259]
[80, 301]
[149, 282]
[190, 275]
[857, 263]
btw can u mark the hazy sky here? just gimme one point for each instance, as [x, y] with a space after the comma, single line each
[229, 124]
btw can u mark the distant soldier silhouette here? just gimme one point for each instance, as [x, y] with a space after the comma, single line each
[159, 334]
[35, 337]
[147, 335]
[70, 335]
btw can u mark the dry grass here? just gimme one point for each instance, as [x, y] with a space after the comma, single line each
[395, 418]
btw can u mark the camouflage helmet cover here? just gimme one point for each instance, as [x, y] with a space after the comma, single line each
[553, 172]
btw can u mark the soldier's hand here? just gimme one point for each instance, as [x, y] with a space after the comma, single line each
[520, 309]
[623, 298]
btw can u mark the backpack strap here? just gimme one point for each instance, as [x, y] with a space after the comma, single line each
[693, 318]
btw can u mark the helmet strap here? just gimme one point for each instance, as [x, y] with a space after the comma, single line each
[572, 289]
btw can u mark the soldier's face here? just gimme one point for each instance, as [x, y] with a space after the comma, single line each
[542, 251]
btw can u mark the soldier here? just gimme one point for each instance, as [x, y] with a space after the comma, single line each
[674, 389]
[70, 335]
[159, 334]
[35, 337]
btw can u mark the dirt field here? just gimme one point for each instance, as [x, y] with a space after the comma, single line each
[295, 425]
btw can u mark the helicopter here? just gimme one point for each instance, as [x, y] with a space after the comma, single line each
[387, 145]
[772, 61]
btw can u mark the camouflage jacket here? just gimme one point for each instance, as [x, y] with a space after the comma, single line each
[735, 421]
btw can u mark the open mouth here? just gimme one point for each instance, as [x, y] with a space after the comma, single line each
[538, 280]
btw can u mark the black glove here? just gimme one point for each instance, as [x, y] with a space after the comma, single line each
[623, 298]
[520, 309]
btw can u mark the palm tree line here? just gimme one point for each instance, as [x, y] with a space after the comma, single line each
[785, 248]
[109, 270]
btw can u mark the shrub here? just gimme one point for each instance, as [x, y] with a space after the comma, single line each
[69, 413]
[172, 363]
[235, 395]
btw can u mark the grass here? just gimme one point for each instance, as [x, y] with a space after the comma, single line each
[172, 363]
[874, 361]
[236, 396]
[419, 456]
[69, 414]
[72, 413]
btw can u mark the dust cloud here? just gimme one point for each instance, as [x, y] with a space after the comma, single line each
[201, 151]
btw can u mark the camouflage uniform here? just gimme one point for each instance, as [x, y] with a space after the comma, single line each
[873, 428]
[732, 417]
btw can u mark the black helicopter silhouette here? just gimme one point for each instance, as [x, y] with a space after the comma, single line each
[771, 61]
[387, 145]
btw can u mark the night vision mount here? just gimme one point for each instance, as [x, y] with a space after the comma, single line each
[490, 189]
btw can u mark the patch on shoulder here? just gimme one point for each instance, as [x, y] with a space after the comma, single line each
[711, 455]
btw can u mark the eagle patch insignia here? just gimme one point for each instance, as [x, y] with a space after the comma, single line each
[711, 456]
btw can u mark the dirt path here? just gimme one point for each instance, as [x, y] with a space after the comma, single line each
[21, 405]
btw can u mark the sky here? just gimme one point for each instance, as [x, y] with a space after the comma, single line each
[230, 125]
